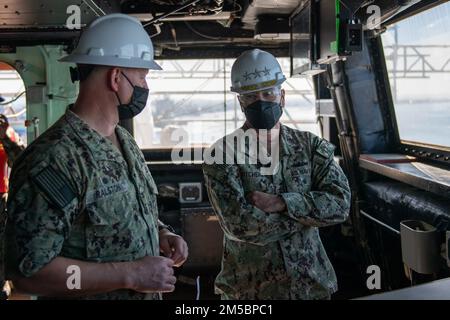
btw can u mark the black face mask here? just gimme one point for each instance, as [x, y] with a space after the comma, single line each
[136, 104]
[263, 114]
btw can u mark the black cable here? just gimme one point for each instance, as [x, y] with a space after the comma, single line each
[201, 34]
[191, 3]
[234, 8]
[13, 99]
[365, 3]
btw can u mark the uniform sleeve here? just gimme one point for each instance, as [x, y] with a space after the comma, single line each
[328, 202]
[41, 209]
[240, 220]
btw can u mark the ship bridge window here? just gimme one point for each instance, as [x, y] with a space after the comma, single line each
[13, 102]
[417, 52]
[190, 104]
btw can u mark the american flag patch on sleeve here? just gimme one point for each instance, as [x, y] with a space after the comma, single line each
[54, 186]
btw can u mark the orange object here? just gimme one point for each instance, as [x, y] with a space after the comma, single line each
[5, 66]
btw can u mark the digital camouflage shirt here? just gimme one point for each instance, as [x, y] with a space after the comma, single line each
[279, 255]
[73, 194]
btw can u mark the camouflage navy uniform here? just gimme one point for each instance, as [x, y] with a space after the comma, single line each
[73, 194]
[279, 255]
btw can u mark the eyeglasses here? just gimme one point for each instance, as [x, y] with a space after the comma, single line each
[271, 94]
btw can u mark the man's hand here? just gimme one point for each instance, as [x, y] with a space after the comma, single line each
[4, 124]
[266, 202]
[173, 246]
[148, 274]
[151, 274]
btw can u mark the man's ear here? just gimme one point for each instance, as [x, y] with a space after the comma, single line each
[114, 78]
[282, 101]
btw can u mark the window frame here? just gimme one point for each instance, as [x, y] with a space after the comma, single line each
[424, 151]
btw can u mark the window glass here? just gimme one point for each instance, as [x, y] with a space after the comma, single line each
[193, 97]
[417, 54]
[13, 101]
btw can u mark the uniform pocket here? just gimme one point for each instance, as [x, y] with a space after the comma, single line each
[298, 174]
[109, 230]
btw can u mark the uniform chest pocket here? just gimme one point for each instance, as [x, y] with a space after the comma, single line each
[298, 173]
[147, 192]
[109, 225]
[253, 180]
[108, 203]
[145, 185]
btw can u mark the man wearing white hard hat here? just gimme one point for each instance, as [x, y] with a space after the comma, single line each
[82, 214]
[272, 248]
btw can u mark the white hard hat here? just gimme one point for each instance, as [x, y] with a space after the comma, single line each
[115, 40]
[255, 70]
